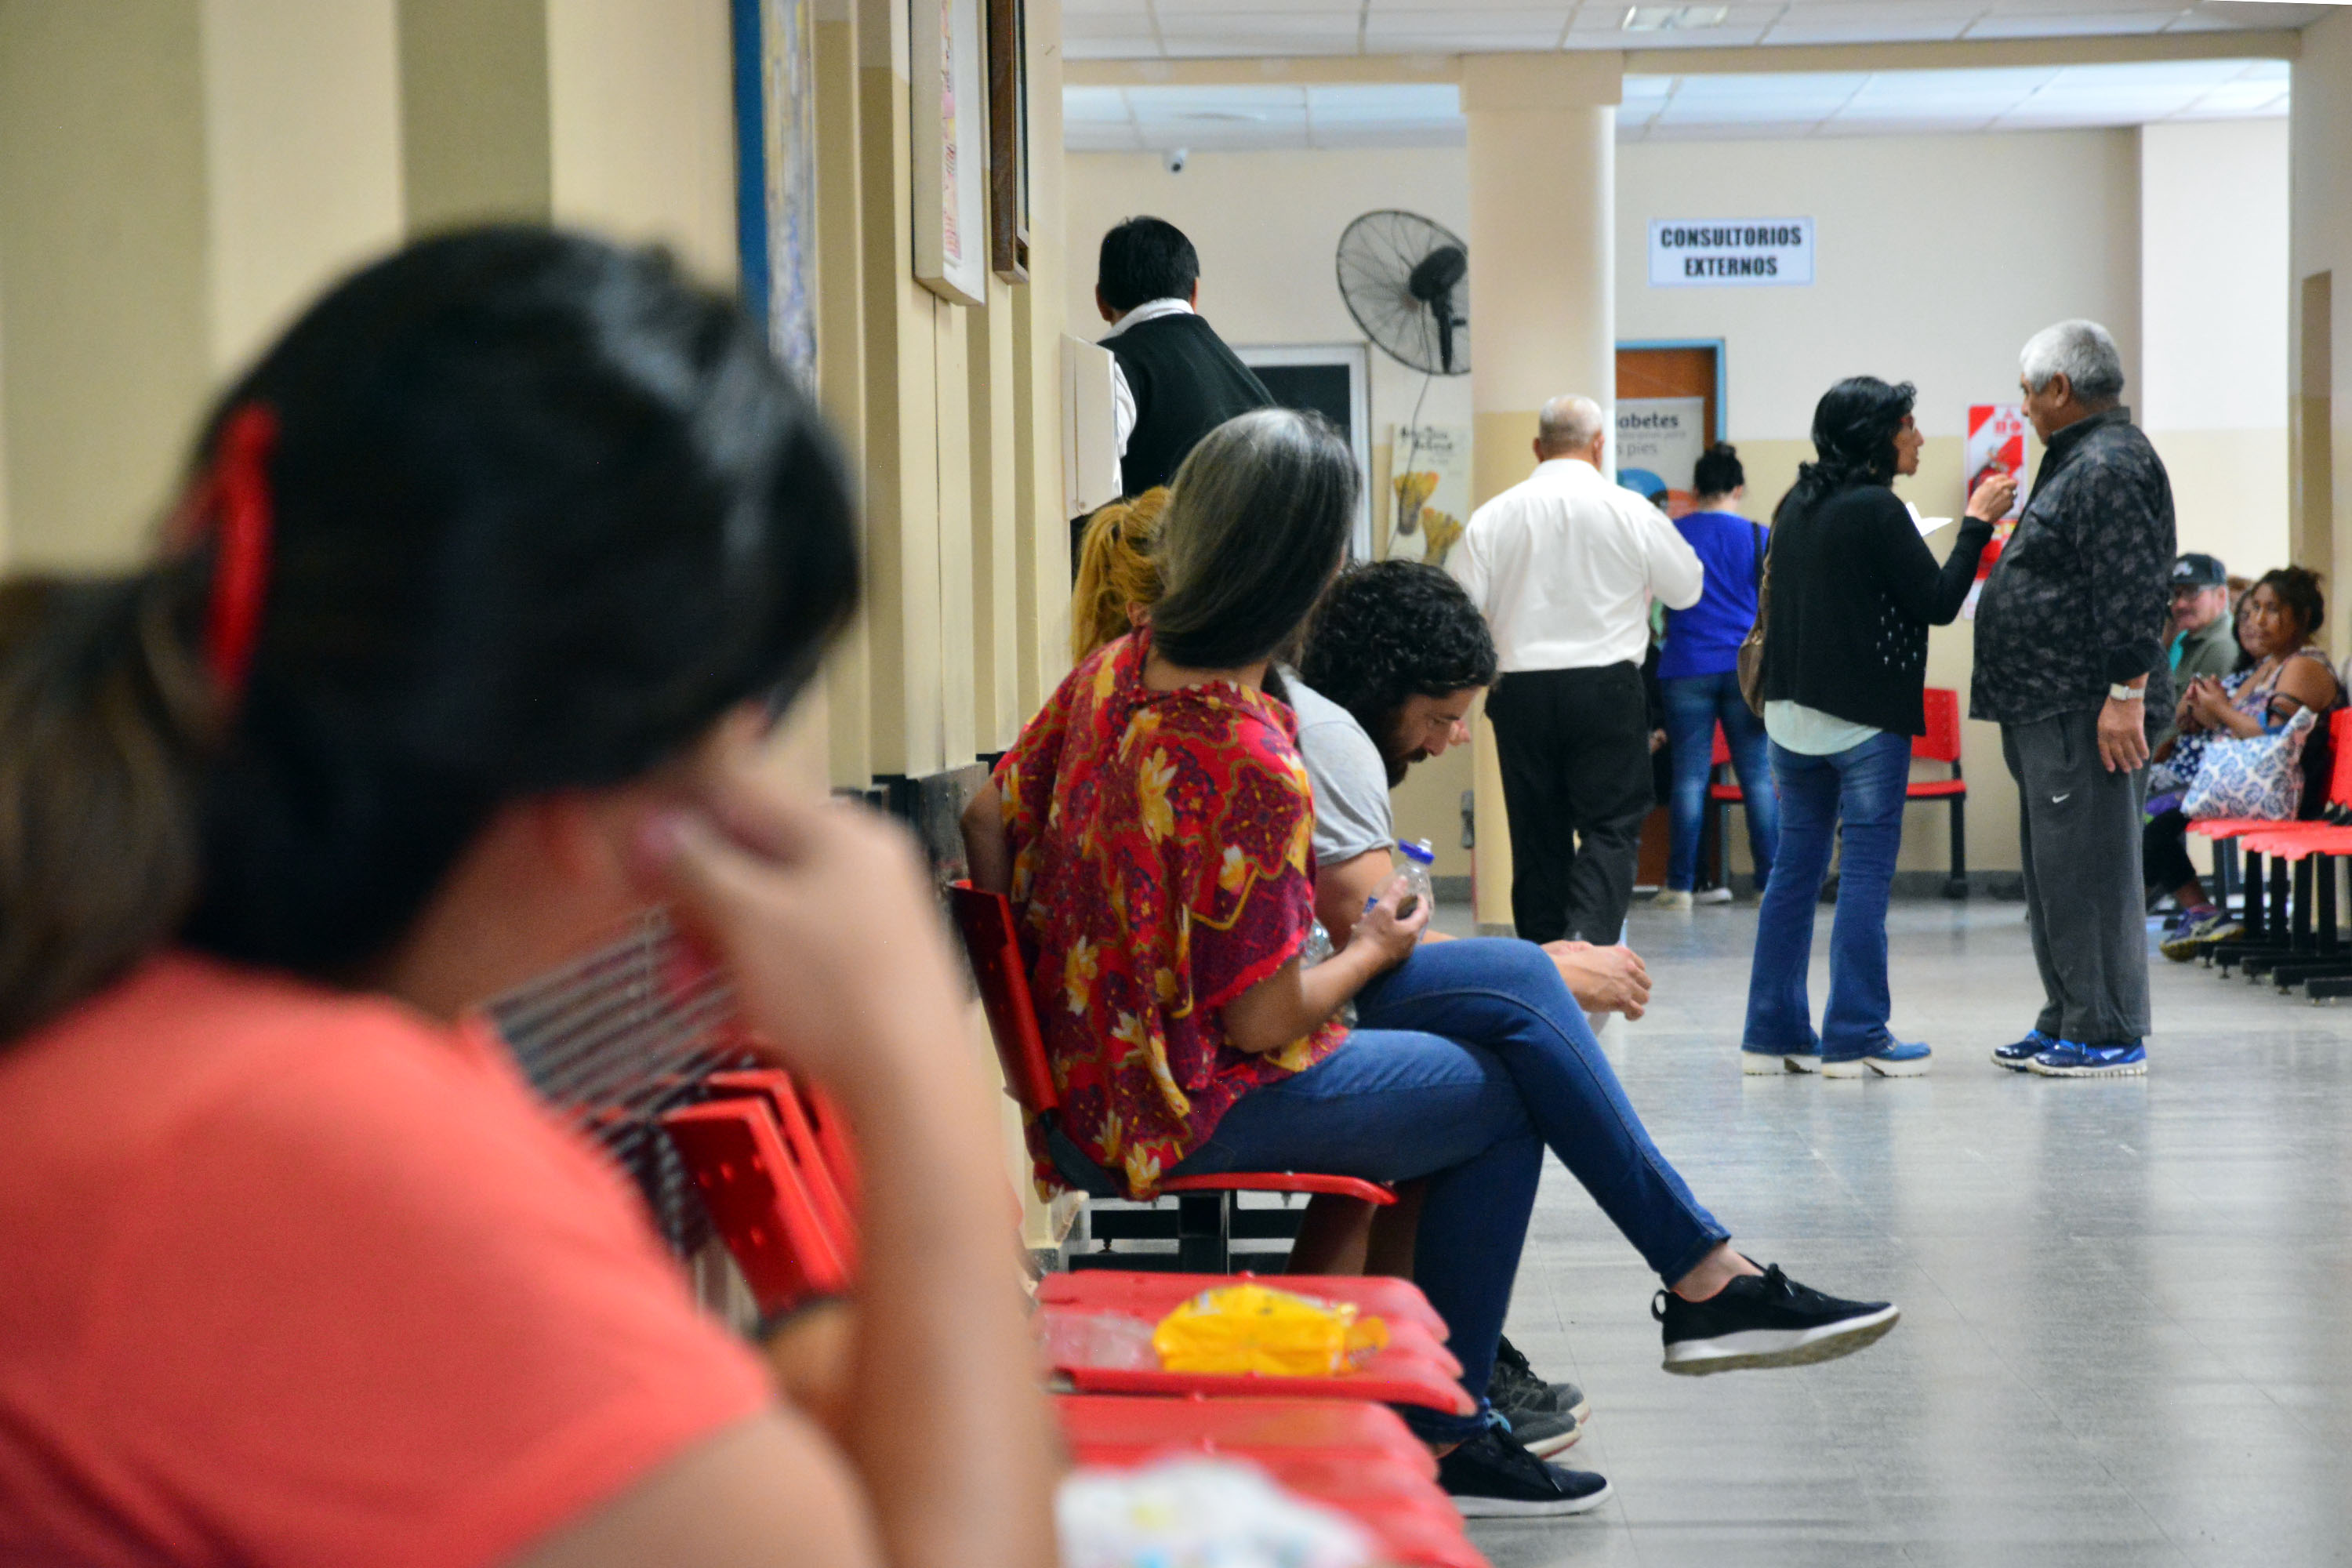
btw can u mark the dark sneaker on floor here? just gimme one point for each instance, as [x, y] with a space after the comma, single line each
[2195, 936]
[2067, 1059]
[1544, 1433]
[1767, 1319]
[2015, 1055]
[1491, 1476]
[1515, 1389]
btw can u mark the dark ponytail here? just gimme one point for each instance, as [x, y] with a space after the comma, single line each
[1854, 426]
[538, 513]
[107, 716]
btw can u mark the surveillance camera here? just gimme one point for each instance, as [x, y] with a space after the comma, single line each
[1175, 158]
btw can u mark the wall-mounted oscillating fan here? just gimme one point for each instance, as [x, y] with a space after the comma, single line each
[1406, 281]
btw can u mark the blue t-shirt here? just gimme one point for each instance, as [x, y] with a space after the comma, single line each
[1704, 639]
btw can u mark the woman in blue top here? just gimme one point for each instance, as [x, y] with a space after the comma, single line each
[1698, 671]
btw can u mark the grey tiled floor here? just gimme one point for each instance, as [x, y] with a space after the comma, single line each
[2127, 1305]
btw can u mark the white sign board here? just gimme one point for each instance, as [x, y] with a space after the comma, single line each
[1659, 440]
[1730, 252]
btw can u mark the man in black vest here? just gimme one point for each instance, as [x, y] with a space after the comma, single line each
[1173, 380]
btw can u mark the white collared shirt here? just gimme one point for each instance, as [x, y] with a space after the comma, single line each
[1123, 398]
[1564, 565]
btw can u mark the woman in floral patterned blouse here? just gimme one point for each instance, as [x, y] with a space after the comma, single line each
[1153, 828]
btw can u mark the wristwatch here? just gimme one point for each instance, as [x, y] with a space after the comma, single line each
[2121, 693]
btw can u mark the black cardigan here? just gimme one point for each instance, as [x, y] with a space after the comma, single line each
[1854, 589]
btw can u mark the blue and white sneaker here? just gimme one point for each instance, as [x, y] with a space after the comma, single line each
[2016, 1056]
[1896, 1059]
[2068, 1060]
[1759, 1064]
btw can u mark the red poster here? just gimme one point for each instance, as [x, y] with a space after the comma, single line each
[1997, 444]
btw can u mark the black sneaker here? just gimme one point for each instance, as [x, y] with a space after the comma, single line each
[1767, 1319]
[1491, 1476]
[1515, 1390]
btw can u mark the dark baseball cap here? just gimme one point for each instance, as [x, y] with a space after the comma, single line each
[2199, 571]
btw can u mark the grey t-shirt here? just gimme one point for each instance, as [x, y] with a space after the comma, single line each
[1350, 781]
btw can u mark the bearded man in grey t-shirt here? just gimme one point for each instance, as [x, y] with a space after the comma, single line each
[1395, 658]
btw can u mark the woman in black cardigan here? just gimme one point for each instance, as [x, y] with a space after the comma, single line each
[1853, 590]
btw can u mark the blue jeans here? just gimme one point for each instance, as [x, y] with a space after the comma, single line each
[1695, 705]
[1863, 788]
[1472, 1110]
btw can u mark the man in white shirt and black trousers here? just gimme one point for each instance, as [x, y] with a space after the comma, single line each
[1564, 565]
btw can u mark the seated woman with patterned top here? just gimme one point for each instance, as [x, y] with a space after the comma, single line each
[1153, 826]
[2284, 672]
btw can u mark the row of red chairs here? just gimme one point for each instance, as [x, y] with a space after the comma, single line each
[772, 1163]
[2290, 916]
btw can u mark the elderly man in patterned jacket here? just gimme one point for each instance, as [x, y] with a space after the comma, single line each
[2070, 661]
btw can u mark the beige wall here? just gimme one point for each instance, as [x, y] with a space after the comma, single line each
[2213, 312]
[105, 299]
[2321, 376]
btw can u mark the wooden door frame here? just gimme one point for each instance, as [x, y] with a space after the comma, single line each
[1722, 376]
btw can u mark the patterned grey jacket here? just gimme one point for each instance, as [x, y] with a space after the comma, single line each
[2079, 599]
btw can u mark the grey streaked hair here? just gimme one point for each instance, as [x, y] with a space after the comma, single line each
[2082, 351]
[1569, 424]
[1257, 526]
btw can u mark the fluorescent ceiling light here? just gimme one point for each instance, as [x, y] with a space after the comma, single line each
[1669, 18]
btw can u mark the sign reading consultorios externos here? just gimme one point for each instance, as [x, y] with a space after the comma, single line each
[1751, 252]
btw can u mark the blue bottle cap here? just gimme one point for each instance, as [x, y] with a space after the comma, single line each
[1419, 851]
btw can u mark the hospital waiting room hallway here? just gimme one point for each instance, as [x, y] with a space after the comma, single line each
[2124, 1319]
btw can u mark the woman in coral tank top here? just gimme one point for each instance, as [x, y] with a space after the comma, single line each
[459, 649]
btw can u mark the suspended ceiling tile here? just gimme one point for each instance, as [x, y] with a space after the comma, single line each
[2072, 25]
[1094, 106]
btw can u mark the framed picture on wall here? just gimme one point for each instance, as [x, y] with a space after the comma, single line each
[949, 150]
[775, 197]
[1008, 139]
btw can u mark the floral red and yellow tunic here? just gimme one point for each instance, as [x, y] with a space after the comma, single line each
[1162, 866]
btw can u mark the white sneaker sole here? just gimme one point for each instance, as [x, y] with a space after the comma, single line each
[2023, 1064]
[1766, 1064]
[2130, 1069]
[1779, 1347]
[1511, 1507]
[1857, 1068]
[1559, 1444]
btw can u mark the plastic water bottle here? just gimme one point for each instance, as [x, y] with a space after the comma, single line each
[1419, 858]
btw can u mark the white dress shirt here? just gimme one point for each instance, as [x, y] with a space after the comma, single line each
[1564, 565]
[1122, 399]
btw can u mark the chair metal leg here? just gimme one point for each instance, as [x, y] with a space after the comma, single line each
[1957, 885]
[1205, 1233]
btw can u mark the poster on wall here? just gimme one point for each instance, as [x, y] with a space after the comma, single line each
[1996, 444]
[952, 237]
[1659, 440]
[1429, 476]
[788, 134]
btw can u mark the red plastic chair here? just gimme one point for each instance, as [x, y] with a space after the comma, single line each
[1941, 744]
[1412, 1368]
[757, 1191]
[817, 1161]
[1154, 1296]
[1357, 1458]
[1206, 1208]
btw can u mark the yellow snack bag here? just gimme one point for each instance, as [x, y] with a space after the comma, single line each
[1249, 1328]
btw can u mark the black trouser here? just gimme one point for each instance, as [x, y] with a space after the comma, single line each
[1574, 745]
[2164, 852]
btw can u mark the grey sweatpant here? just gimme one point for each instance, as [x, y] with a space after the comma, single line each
[2078, 829]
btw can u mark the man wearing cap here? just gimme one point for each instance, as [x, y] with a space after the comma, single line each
[2203, 639]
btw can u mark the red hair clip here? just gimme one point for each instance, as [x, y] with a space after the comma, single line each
[234, 501]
